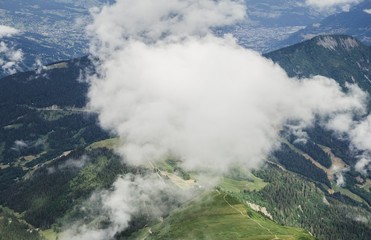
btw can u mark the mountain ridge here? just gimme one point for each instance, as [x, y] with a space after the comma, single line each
[341, 57]
[354, 22]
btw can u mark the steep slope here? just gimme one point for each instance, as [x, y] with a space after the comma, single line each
[343, 58]
[54, 84]
[43, 121]
[217, 215]
[296, 201]
[42, 117]
[355, 22]
[340, 57]
[346, 60]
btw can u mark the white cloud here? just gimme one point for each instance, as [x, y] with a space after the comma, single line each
[19, 145]
[167, 86]
[120, 204]
[148, 20]
[10, 58]
[207, 100]
[323, 4]
[339, 174]
[367, 11]
[359, 134]
[340, 181]
[363, 165]
[358, 131]
[130, 195]
[296, 129]
[341, 123]
[70, 164]
[6, 31]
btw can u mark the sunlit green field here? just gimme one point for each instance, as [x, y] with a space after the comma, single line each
[219, 216]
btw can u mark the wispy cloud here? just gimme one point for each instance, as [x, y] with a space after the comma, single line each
[71, 164]
[10, 58]
[326, 4]
[358, 132]
[130, 196]
[6, 31]
[19, 145]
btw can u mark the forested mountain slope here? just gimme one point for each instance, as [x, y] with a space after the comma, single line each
[53, 156]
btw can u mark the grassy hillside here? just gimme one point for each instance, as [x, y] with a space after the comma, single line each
[217, 215]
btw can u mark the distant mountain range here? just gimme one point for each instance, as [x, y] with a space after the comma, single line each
[341, 57]
[269, 21]
[50, 31]
[283, 13]
[355, 22]
[36, 48]
[54, 30]
[271, 24]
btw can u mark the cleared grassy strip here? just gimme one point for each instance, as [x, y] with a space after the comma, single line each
[349, 194]
[49, 234]
[107, 143]
[13, 126]
[232, 185]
